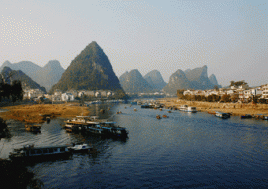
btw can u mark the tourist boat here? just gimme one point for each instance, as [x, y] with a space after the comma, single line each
[80, 148]
[191, 109]
[32, 153]
[183, 107]
[91, 125]
[222, 115]
[246, 116]
[33, 128]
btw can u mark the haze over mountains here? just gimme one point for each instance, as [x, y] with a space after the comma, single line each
[45, 76]
[190, 79]
[92, 70]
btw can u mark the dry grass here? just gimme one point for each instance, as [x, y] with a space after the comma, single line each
[234, 108]
[38, 113]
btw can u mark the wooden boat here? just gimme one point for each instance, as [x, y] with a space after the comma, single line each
[80, 148]
[222, 115]
[135, 109]
[165, 116]
[212, 113]
[33, 128]
[183, 107]
[158, 117]
[31, 153]
[191, 109]
[169, 111]
[246, 116]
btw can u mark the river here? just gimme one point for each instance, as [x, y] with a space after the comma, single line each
[185, 150]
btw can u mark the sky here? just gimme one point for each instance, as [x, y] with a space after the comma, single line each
[229, 36]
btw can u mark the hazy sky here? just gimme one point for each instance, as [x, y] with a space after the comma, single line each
[229, 36]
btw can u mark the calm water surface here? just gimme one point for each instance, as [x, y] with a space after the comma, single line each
[183, 151]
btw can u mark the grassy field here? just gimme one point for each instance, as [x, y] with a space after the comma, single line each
[37, 113]
[234, 108]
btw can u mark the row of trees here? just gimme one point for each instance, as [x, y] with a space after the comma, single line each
[11, 91]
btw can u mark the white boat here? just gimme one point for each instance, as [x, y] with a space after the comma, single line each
[191, 109]
[80, 148]
[183, 107]
[222, 115]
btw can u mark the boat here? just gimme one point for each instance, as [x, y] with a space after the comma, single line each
[165, 116]
[169, 111]
[32, 153]
[33, 128]
[246, 116]
[135, 109]
[222, 115]
[91, 125]
[191, 109]
[158, 117]
[183, 107]
[80, 148]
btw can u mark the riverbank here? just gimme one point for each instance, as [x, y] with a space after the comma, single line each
[37, 113]
[237, 109]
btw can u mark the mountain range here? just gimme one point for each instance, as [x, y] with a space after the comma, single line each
[45, 76]
[190, 79]
[90, 70]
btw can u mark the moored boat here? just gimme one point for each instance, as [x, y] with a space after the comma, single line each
[80, 148]
[222, 115]
[246, 116]
[191, 109]
[33, 128]
[32, 153]
[183, 107]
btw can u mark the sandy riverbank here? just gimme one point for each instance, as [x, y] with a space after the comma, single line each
[38, 112]
[234, 108]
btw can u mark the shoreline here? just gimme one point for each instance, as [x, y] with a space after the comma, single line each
[236, 109]
[37, 113]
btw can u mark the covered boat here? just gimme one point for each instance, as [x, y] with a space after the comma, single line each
[80, 148]
[222, 115]
[32, 153]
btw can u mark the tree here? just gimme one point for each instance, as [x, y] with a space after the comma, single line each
[180, 93]
[237, 83]
[225, 98]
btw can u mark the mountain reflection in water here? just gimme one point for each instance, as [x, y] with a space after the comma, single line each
[183, 151]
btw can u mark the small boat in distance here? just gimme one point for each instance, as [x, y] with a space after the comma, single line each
[158, 117]
[246, 116]
[222, 115]
[183, 107]
[33, 128]
[191, 109]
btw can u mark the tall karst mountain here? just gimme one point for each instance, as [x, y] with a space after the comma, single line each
[46, 76]
[26, 81]
[155, 79]
[90, 70]
[133, 82]
[190, 79]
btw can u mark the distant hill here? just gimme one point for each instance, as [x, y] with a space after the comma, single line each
[26, 66]
[155, 79]
[190, 79]
[133, 82]
[46, 76]
[90, 70]
[21, 76]
[49, 75]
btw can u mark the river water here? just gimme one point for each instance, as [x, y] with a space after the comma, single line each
[185, 150]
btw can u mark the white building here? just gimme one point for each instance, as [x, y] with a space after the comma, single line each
[265, 92]
[67, 97]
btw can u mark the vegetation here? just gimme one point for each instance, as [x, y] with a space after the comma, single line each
[90, 70]
[15, 175]
[237, 83]
[13, 91]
